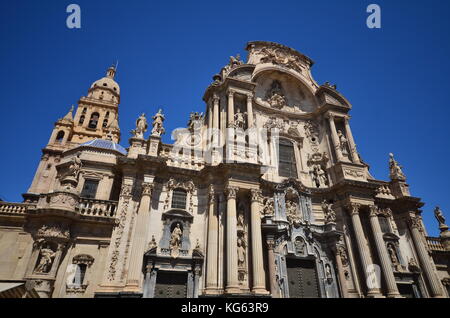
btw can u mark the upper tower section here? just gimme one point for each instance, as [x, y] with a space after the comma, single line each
[97, 113]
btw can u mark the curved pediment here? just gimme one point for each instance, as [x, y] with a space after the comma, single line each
[177, 214]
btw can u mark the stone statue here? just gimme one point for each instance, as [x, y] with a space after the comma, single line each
[319, 176]
[175, 238]
[300, 245]
[439, 216]
[158, 120]
[342, 142]
[75, 167]
[393, 256]
[239, 119]
[328, 274]
[291, 213]
[46, 260]
[241, 252]
[395, 169]
[141, 127]
[152, 243]
[240, 219]
[275, 96]
[330, 215]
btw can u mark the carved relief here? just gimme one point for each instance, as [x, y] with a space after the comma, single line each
[60, 231]
[312, 133]
[45, 261]
[275, 96]
[280, 56]
[269, 208]
[300, 246]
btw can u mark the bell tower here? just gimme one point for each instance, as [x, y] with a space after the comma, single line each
[95, 117]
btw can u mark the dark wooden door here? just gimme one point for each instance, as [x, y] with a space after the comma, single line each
[302, 277]
[171, 285]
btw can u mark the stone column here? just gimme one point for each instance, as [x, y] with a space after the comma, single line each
[363, 247]
[386, 265]
[230, 107]
[210, 119]
[340, 269]
[232, 261]
[257, 252]
[139, 240]
[271, 264]
[424, 258]
[351, 141]
[216, 112]
[211, 256]
[335, 138]
[250, 111]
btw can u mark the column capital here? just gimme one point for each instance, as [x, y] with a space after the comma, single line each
[231, 192]
[215, 98]
[147, 188]
[414, 221]
[256, 195]
[270, 241]
[353, 208]
[249, 97]
[231, 92]
[373, 210]
[330, 116]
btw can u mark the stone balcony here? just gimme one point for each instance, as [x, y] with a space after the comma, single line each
[97, 208]
[85, 208]
[435, 244]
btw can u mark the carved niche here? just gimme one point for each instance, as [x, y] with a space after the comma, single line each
[317, 162]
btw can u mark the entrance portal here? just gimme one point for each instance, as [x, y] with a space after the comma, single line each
[302, 276]
[171, 285]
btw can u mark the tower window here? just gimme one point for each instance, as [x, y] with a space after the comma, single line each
[84, 110]
[94, 120]
[105, 123]
[179, 199]
[81, 120]
[286, 160]
[60, 136]
[89, 189]
[107, 115]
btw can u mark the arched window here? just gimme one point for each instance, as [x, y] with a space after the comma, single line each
[80, 272]
[105, 123]
[94, 120]
[60, 136]
[179, 199]
[81, 120]
[286, 159]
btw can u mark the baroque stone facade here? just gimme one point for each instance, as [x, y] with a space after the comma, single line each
[264, 195]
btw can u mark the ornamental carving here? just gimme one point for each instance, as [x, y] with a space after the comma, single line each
[83, 259]
[330, 215]
[292, 213]
[231, 192]
[256, 195]
[60, 231]
[126, 190]
[63, 199]
[312, 133]
[45, 260]
[342, 252]
[195, 121]
[269, 207]
[317, 162]
[280, 56]
[147, 188]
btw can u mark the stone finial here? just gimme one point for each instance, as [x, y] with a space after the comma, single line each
[395, 170]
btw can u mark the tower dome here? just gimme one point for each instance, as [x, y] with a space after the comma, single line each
[108, 81]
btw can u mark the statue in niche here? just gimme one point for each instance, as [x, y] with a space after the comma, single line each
[320, 178]
[158, 120]
[240, 219]
[175, 240]
[275, 96]
[239, 119]
[328, 273]
[343, 254]
[300, 246]
[330, 215]
[46, 260]
[241, 252]
[141, 127]
[342, 142]
[439, 216]
[393, 255]
[395, 169]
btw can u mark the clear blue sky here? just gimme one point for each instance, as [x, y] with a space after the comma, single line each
[397, 78]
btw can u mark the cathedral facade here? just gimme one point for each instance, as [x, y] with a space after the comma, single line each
[262, 195]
